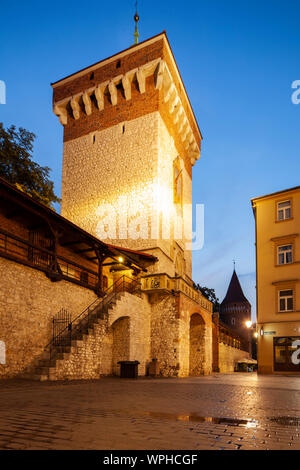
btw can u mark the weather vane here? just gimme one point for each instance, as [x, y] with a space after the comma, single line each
[233, 264]
[136, 19]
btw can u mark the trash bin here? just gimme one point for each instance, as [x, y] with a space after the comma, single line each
[129, 369]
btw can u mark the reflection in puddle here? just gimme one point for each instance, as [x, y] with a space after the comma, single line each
[286, 421]
[193, 417]
[246, 423]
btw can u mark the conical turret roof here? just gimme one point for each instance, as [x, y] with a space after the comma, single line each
[234, 293]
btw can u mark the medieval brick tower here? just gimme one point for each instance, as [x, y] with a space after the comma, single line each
[130, 142]
[235, 310]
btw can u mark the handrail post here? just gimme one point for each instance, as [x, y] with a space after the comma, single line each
[70, 333]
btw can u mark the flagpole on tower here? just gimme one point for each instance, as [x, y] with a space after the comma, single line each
[136, 19]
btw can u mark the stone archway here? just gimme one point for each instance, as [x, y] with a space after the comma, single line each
[120, 343]
[197, 345]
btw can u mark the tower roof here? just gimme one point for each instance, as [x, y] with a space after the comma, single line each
[235, 292]
[140, 80]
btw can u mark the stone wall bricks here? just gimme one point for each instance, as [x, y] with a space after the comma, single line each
[28, 302]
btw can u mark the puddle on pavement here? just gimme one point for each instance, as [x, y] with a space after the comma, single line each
[193, 417]
[286, 421]
[246, 423]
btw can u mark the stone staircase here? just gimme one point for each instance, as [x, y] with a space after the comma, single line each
[86, 332]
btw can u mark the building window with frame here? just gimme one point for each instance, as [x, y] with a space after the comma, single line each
[285, 254]
[284, 210]
[286, 300]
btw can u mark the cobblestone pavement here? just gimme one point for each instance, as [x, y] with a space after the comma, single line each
[233, 411]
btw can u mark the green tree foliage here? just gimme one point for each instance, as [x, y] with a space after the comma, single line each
[210, 295]
[18, 168]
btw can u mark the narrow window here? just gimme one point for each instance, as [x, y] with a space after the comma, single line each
[118, 64]
[284, 210]
[286, 300]
[177, 183]
[123, 129]
[285, 254]
[92, 76]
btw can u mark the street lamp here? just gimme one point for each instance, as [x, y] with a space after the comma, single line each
[248, 324]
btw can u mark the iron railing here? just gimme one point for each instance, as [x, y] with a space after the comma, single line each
[60, 322]
[97, 309]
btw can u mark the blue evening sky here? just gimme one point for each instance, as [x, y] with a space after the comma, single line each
[238, 60]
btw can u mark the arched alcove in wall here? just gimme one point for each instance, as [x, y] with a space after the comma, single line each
[121, 343]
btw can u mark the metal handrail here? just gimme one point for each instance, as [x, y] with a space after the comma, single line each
[83, 320]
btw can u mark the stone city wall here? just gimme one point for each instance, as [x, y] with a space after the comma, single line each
[195, 337]
[165, 333]
[124, 336]
[28, 302]
[229, 356]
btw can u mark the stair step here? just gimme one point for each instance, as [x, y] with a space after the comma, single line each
[46, 363]
[42, 370]
[35, 376]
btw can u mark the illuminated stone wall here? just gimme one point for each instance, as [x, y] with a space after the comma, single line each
[124, 337]
[229, 357]
[165, 334]
[28, 302]
[176, 349]
[116, 168]
[190, 342]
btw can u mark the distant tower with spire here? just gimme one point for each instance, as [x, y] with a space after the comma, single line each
[235, 310]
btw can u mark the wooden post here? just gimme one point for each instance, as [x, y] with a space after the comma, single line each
[101, 258]
[55, 272]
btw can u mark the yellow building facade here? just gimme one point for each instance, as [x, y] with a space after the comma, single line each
[277, 220]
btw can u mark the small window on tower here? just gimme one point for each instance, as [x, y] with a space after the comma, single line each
[233, 321]
[118, 64]
[177, 183]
